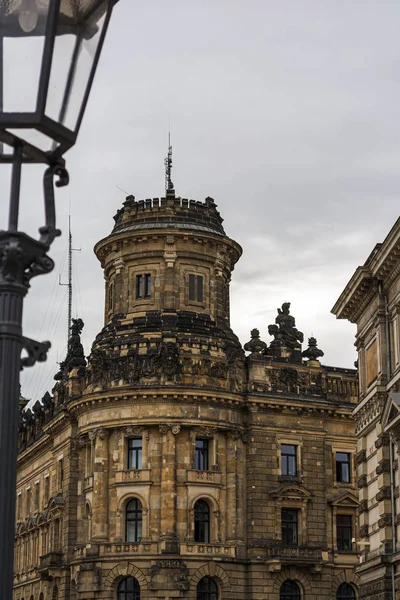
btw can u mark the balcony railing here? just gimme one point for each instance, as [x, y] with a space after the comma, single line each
[132, 475]
[116, 549]
[208, 549]
[52, 559]
[195, 476]
[293, 554]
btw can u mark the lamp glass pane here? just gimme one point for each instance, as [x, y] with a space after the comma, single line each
[21, 47]
[74, 54]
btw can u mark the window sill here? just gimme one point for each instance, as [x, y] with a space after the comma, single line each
[290, 478]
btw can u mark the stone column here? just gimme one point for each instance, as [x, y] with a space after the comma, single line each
[168, 535]
[100, 488]
[231, 482]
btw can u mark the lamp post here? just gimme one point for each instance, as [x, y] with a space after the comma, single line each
[49, 50]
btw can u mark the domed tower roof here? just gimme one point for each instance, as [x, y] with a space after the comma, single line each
[167, 266]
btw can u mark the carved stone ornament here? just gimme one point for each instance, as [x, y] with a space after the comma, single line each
[102, 434]
[131, 430]
[163, 429]
[312, 352]
[176, 429]
[255, 345]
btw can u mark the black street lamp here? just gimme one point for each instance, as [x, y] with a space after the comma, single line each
[49, 50]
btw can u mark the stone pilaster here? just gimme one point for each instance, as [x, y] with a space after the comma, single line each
[168, 534]
[100, 487]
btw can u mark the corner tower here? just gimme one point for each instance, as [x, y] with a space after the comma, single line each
[167, 266]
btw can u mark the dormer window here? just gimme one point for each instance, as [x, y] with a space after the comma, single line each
[143, 286]
[195, 288]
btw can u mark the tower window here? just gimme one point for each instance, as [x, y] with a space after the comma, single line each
[195, 288]
[143, 286]
[129, 589]
[133, 520]
[201, 522]
[135, 453]
[111, 297]
[201, 459]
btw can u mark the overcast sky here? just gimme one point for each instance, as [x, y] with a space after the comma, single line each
[286, 112]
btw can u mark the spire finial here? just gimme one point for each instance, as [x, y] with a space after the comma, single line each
[169, 186]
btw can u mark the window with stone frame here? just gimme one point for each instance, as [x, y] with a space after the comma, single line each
[202, 454]
[207, 589]
[196, 288]
[111, 296]
[289, 591]
[290, 526]
[135, 453]
[201, 522]
[344, 532]
[345, 591]
[288, 460]
[343, 473]
[133, 521]
[143, 286]
[128, 589]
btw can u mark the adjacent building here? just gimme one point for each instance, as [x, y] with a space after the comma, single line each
[371, 299]
[173, 462]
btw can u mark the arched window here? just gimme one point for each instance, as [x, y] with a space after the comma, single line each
[345, 592]
[128, 589]
[133, 525]
[207, 589]
[289, 591]
[201, 521]
[41, 597]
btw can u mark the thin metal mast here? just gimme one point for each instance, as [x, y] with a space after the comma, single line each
[169, 186]
[69, 279]
[69, 284]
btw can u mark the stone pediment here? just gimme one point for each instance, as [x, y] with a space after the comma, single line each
[291, 491]
[391, 411]
[344, 499]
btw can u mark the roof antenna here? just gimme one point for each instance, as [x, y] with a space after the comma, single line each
[169, 186]
[69, 284]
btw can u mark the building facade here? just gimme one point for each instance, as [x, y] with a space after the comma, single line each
[371, 299]
[173, 462]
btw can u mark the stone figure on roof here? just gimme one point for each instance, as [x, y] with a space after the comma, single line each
[285, 332]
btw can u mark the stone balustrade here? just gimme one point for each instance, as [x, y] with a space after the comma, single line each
[133, 475]
[208, 549]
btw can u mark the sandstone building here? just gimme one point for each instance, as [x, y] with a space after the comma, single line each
[173, 463]
[371, 299]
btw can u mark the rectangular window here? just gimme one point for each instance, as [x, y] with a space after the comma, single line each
[135, 453]
[201, 459]
[147, 285]
[344, 532]
[343, 467]
[46, 490]
[289, 520]
[195, 288]
[60, 473]
[28, 501]
[289, 460]
[37, 496]
[143, 286]
[111, 296]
